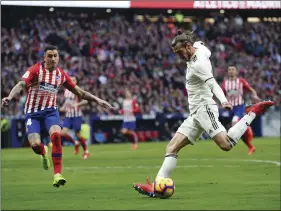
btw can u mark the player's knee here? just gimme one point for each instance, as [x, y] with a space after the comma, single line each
[34, 139]
[34, 143]
[64, 131]
[225, 146]
[124, 131]
[221, 140]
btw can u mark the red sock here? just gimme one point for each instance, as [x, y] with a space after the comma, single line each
[69, 138]
[134, 136]
[83, 142]
[248, 137]
[56, 152]
[39, 149]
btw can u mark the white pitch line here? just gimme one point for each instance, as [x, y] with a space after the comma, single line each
[183, 166]
[237, 160]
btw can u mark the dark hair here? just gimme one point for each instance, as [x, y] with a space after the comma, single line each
[232, 65]
[183, 37]
[50, 48]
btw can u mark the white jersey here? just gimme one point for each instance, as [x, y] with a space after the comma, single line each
[199, 70]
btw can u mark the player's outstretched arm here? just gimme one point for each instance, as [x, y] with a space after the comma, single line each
[248, 87]
[254, 95]
[216, 89]
[83, 102]
[88, 96]
[14, 92]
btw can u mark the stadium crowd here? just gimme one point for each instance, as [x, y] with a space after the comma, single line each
[108, 55]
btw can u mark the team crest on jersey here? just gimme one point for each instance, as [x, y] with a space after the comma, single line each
[57, 77]
[26, 75]
[48, 87]
[233, 92]
[194, 59]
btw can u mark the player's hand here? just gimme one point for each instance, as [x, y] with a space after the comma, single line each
[62, 109]
[105, 104]
[227, 105]
[5, 101]
[75, 105]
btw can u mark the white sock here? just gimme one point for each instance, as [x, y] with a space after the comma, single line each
[236, 131]
[167, 167]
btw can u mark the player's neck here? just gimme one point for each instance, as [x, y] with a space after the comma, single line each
[48, 68]
[193, 51]
[232, 78]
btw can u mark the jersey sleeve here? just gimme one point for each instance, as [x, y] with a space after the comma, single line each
[30, 75]
[136, 107]
[200, 45]
[204, 71]
[68, 83]
[223, 87]
[121, 111]
[246, 85]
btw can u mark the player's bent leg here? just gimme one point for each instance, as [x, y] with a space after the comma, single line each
[83, 142]
[55, 134]
[64, 131]
[124, 131]
[208, 117]
[135, 139]
[39, 148]
[247, 137]
[222, 141]
[235, 132]
[235, 119]
[76, 144]
[227, 140]
[132, 134]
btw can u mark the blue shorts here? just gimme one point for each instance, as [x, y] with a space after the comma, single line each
[42, 121]
[238, 111]
[73, 123]
[129, 125]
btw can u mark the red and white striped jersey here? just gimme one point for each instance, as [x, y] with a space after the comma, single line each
[72, 99]
[130, 107]
[42, 86]
[234, 90]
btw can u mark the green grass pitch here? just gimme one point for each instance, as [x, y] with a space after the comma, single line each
[206, 178]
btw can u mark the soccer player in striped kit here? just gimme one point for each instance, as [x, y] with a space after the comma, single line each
[73, 119]
[42, 82]
[234, 88]
[130, 107]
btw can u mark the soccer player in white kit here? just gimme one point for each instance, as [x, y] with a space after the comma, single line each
[201, 86]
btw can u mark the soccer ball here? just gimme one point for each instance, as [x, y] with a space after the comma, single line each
[164, 188]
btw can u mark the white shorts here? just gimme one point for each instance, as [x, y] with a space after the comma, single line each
[205, 119]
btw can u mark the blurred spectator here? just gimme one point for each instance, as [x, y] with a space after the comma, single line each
[111, 54]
